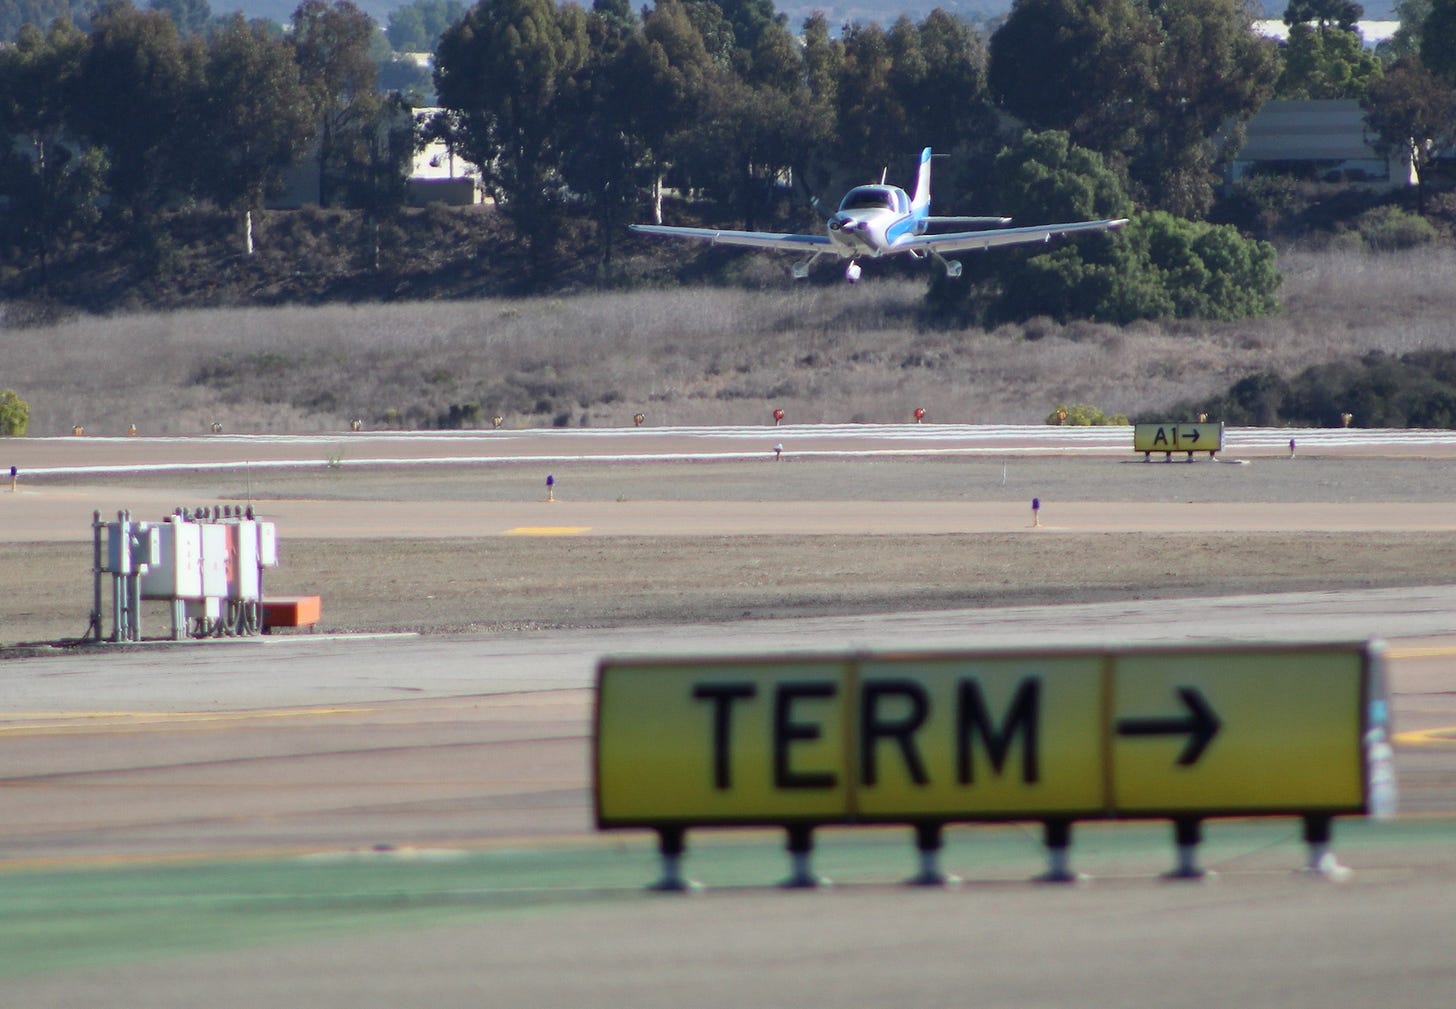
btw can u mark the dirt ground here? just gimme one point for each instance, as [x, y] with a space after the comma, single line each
[466, 549]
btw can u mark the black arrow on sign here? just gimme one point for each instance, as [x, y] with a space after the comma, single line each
[1200, 726]
[1194, 438]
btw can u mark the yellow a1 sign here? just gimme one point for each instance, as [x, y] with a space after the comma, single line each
[1043, 734]
[1169, 438]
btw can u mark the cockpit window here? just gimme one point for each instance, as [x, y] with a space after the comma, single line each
[869, 198]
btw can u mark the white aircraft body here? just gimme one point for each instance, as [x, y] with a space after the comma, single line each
[882, 220]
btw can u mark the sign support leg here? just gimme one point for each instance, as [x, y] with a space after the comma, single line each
[1058, 835]
[929, 840]
[801, 849]
[671, 843]
[1188, 834]
[1318, 831]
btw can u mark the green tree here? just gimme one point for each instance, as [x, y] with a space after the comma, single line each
[823, 69]
[1153, 87]
[1212, 70]
[1081, 66]
[190, 16]
[1438, 40]
[1159, 266]
[417, 27]
[1041, 178]
[255, 115]
[16, 14]
[871, 116]
[377, 179]
[671, 74]
[751, 129]
[1325, 63]
[14, 414]
[332, 43]
[951, 105]
[52, 182]
[1044, 178]
[1324, 14]
[137, 83]
[1406, 41]
[603, 164]
[749, 20]
[1412, 112]
[506, 72]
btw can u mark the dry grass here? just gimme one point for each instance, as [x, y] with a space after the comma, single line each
[701, 355]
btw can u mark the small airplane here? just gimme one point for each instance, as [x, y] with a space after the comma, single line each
[883, 220]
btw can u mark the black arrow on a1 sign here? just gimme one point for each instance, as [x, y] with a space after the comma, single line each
[1200, 726]
[1194, 437]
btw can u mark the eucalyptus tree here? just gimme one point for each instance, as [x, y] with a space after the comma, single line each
[1152, 86]
[52, 180]
[192, 17]
[137, 82]
[256, 117]
[16, 14]
[1438, 40]
[417, 26]
[331, 43]
[603, 164]
[506, 74]
[671, 73]
[1412, 113]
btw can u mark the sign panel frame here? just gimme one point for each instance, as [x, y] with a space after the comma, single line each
[1013, 734]
[1170, 437]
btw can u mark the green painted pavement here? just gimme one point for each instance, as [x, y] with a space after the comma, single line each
[54, 920]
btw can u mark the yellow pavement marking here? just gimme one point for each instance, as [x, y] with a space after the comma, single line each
[548, 530]
[1436, 739]
[39, 722]
[1431, 652]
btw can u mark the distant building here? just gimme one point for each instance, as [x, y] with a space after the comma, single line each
[1372, 33]
[442, 176]
[438, 175]
[1318, 139]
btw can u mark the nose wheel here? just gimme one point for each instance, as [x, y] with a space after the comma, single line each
[851, 272]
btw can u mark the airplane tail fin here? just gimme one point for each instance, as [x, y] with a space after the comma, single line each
[920, 202]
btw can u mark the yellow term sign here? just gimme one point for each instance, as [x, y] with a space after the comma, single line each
[1239, 732]
[1059, 734]
[1178, 437]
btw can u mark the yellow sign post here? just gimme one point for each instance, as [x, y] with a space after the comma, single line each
[1051, 735]
[1170, 438]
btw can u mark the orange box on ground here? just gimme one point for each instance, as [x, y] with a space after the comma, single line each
[291, 611]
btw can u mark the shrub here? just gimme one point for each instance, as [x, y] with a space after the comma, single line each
[1376, 390]
[1387, 229]
[1079, 415]
[14, 414]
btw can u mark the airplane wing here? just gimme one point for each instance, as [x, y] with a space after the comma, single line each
[968, 220]
[756, 239]
[963, 240]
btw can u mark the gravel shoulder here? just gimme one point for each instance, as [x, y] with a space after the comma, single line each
[477, 549]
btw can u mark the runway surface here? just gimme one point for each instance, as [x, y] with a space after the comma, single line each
[400, 820]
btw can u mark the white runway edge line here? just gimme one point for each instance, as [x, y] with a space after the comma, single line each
[932, 440]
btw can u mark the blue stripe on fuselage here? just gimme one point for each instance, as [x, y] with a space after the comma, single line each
[905, 227]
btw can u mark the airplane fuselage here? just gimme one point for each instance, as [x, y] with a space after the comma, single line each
[873, 220]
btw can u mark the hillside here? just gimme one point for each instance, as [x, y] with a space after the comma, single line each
[442, 339]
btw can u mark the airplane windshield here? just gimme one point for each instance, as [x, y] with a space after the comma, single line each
[868, 198]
